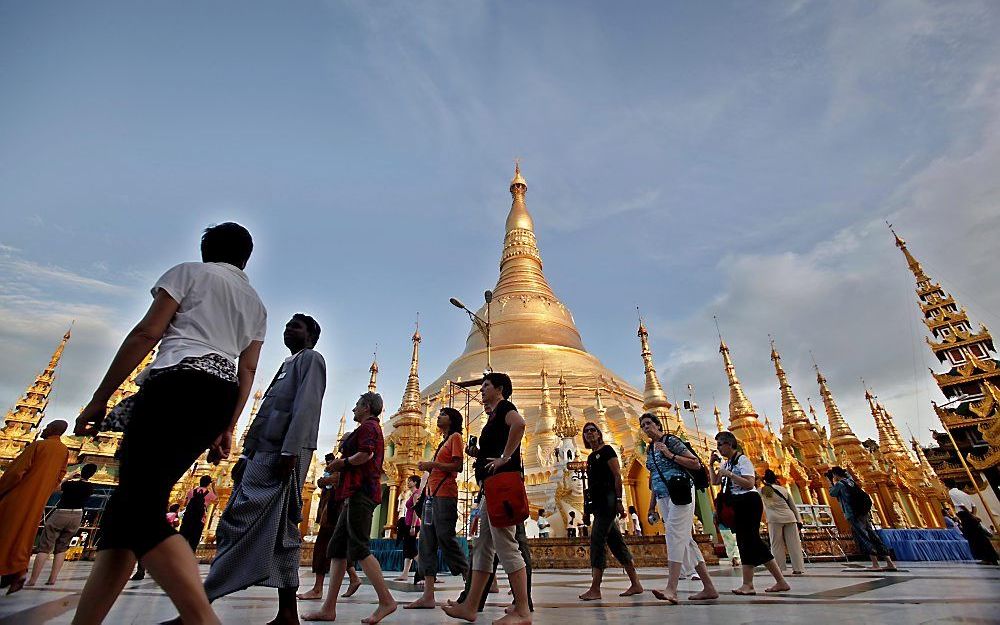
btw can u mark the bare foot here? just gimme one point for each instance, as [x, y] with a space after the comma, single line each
[29, 584]
[704, 595]
[460, 610]
[401, 578]
[513, 618]
[744, 590]
[310, 595]
[323, 615]
[352, 588]
[666, 595]
[423, 603]
[380, 613]
[780, 587]
[634, 589]
[873, 568]
[591, 595]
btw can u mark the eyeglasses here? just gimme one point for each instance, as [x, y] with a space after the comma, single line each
[589, 430]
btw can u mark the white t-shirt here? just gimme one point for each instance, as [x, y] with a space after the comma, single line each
[219, 313]
[961, 498]
[743, 468]
[636, 524]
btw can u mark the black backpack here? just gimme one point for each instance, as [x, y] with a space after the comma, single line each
[860, 501]
[700, 475]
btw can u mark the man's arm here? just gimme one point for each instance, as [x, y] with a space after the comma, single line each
[616, 472]
[143, 337]
[308, 403]
[516, 423]
[246, 370]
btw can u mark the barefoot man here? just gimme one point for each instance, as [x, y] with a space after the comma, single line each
[360, 489]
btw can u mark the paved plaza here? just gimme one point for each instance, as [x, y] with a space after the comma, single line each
[919, 593]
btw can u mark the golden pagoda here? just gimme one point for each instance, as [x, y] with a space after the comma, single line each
[531, 330]
[23, 419]
[970, 384]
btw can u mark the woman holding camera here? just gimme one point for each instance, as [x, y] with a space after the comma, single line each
[669, 460]
[738, 480]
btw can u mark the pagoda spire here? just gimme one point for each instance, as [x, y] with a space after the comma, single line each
[29, 411]
[795, 425]
[342, 429]
[602, 416]
[654, 398]
[890, 442]
[565, 423]
[718, 420]
[373, 373]
[521, 261]
[846, 445]
[411, 394]
[546, 414]
[740, 408]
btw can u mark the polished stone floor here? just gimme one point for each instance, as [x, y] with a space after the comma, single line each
[830, 593]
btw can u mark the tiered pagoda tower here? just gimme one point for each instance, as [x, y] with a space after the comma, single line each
[970, 385]
[654, 398]
[23, 419]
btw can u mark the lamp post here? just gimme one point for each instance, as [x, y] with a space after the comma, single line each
[481, 325]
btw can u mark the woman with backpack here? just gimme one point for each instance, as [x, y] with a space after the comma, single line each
[857, 507]
[738, 479]
[783, 523]
[670, 464]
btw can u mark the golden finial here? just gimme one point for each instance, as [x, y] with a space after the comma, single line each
[411, 395]
[565, 423]
[654, 398]
[373, 372]
[518, 178]
[718, 419]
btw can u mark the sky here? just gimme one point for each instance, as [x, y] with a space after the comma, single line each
[692, 159]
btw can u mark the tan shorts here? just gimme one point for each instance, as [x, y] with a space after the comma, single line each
[60, 528]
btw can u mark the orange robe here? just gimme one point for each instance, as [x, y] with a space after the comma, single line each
[25, 486]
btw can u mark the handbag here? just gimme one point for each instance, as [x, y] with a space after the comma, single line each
[506, 500]
[725, 510]
[678, 486]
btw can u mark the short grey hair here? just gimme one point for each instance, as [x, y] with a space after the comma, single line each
[374, 403]
[728, 437]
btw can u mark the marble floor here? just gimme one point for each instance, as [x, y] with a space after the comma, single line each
[829, 593]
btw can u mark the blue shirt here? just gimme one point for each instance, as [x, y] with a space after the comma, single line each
[841, 490]
[661, 467]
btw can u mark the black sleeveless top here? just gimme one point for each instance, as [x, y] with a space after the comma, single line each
[492, 441]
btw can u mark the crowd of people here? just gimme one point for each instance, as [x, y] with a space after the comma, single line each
[210, 325]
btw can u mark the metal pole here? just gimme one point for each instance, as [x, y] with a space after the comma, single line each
[489, 364]
[968, 472]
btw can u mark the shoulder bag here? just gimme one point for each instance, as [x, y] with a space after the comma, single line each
[725, 510]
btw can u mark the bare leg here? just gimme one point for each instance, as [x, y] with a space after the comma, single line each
[633, 577]
[875, 566]
[594, 592]
[406, 570]
[521, 614]
[111, 570]
[889, 564]
[747, 587]
[328, 611]
[427, 599]
[316, 592]
[36, 568]
[386, 604]
[57, 564]
[354, 584]
[708, 590]
[173, 566]
[288, 613]
[468, 608]
[780, 585]
[669, 594]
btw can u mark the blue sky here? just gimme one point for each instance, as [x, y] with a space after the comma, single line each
[693, 159]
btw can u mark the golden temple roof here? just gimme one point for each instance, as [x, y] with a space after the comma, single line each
[654, 398]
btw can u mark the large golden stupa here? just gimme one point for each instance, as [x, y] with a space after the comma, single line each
[558, 384]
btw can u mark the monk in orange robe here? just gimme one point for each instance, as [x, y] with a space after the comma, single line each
[25, 486]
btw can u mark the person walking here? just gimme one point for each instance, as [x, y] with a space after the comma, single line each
[440, 514]
[783, 524]
[857, 507]
[499, 451]
[668, 461]
[635, 524]
[406, 530]
[329, 512]
[360, 488]
[25, 486]
[196, 511]
[738, 480]
[604, 480]
[210, 325]
[258, 542]
[63, 524]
